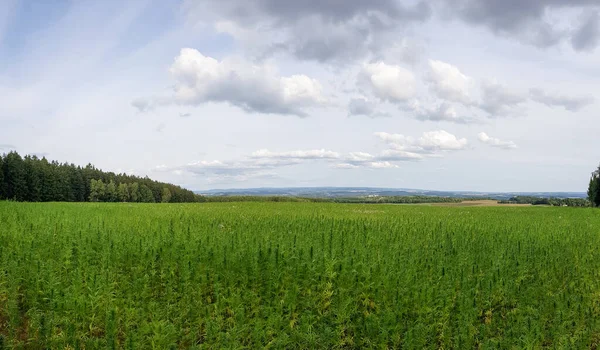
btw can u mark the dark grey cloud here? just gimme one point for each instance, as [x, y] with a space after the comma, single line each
[319, 30]
[527, 20]
[587, 37]
[285, 11]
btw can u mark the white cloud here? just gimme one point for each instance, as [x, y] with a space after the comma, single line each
[448, 82]
[494, 142]
[442, 112]
[431, 142]
[345, 166]
[258, 89]
[390, 82]
[382, 165]
[364, 106]
[309, 154]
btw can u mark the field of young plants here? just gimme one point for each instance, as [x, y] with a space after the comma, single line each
[297, 275]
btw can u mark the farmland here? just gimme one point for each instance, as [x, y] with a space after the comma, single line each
[297, 275]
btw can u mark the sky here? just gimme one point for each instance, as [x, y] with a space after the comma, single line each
[497, 95]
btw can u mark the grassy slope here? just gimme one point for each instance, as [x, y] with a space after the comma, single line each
[300, 275]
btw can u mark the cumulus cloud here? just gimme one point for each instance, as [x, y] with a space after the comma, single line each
[528, 20]
[403, 149]
[442, 112]
[259, 164]
[448, 82]
[389, 82]
[309, 154]
[431, 142]
[385, 160]
[494, 142]
[570, 103]
[264, 162]
[318, 30]
[256, 89]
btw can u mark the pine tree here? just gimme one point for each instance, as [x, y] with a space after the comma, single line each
[2, 177]
[33, 178]
[14, 177]
[594, 188]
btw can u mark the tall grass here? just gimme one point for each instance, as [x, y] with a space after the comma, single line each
[297, 275]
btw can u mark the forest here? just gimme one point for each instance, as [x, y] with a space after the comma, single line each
[33, 179]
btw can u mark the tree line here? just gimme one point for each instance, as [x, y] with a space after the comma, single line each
[555, 202]
[34, 179]
[594, 188]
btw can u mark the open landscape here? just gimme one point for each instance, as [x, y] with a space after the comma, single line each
[299, 174]
[297, 275]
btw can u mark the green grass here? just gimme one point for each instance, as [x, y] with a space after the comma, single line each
[297, 275]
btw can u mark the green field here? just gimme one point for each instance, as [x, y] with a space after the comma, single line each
[297, 275]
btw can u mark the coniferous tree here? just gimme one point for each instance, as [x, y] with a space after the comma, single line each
[2, 177]
[594, 188]
[15, 177]
[33, 179]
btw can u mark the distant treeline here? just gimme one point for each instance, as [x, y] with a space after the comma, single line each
[33, 179]
[358, 200]
[558, 202]
[399, 199]
[264, 199]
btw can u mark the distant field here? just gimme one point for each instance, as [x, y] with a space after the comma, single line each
[479, 203]
[298, 275]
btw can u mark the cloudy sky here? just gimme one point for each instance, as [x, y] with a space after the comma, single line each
[497, 95]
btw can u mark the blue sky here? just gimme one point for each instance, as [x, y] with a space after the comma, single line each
[461, 95]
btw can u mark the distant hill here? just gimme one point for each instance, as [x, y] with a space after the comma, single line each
[341, 192]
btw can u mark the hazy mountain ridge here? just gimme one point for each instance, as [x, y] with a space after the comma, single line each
[338, 192]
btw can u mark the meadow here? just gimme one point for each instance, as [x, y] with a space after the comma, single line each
[297, 275]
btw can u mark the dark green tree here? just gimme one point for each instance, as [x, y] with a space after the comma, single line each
[594, 188]
[15, 177]
[2, 177]
[146, 195]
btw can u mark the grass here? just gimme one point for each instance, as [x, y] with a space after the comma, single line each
[297, 275]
